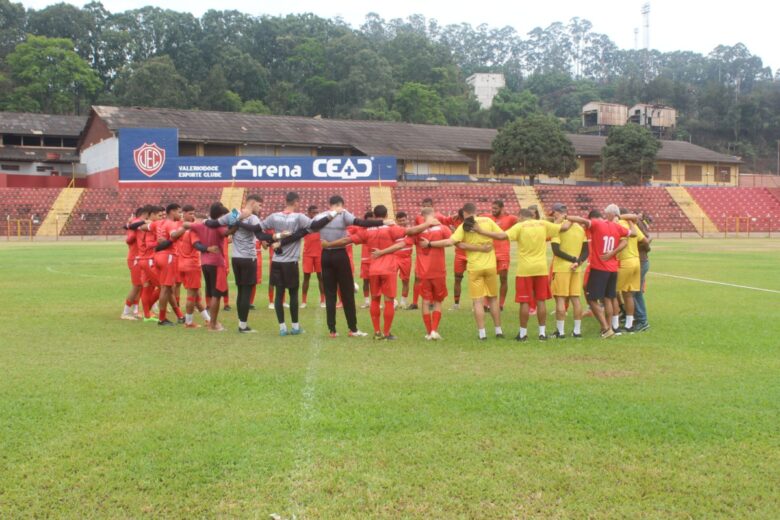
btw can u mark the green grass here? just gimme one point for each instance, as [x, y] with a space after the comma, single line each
[105, 418]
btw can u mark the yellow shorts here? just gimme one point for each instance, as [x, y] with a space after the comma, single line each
[629, 277]
[568, 284]
[483, 283]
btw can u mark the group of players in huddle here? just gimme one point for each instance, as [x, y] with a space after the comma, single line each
[169, 248]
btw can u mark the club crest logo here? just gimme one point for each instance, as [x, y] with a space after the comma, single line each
[149, 158]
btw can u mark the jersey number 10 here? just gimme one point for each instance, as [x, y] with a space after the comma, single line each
[609, 244]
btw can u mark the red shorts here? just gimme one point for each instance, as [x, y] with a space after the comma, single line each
[259, 270]
[532, 288]
[460, 264]
[502, 263]
[312, 264]
[364, 269]
[433, 289]
[149, 273]
[405, 267]
[136, 272]
[169, 273]
[190, 279]
[384, 285]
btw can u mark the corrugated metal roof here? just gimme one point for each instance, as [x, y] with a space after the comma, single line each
[403, 140]
[41, 124]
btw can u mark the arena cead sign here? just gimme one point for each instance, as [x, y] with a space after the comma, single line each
[152, 155]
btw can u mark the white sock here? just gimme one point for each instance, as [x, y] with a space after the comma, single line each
[283, 327]
[542, 330]
[127, 310]
[188, 319]
[368, 301]
[559, 326]
[577, 326]
[205, 315]
[296, 326]
[241, 324]
[523, 332]
[482, 333]
[499, 331]
[135, 309]
[615, 322]
[629, 321]
[403, 300]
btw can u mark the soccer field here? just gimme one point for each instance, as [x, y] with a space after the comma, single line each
[107, 418]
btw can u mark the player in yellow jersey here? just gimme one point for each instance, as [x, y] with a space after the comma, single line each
[570, 251]
[532, 282]
[629, 278]
[483, 277]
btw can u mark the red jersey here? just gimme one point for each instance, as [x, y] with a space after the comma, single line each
[406, 252]
[312, 245]
[365, 252]
[430, 260]
[189, 257]
[150, 238]
[460, 253]
[446, 221]
[131, 239]
[504, 221]
[605, 237]
[380, 237]
[163, 232]
[259, 250]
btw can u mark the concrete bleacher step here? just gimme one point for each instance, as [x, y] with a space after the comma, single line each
[692, 210]
[526, 196]
[60, 212]
[233, 197]
[383, 195]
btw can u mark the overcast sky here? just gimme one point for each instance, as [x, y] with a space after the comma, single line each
[674, 24]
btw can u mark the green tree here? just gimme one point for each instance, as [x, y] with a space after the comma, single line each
[12, 23]
[155, 83]
[49, 76]
[255, 106]
[532, 146]
[508, 106]
[418, 103]
[215, 93]
[629, 155]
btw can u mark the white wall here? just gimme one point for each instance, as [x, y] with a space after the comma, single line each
[101, 156]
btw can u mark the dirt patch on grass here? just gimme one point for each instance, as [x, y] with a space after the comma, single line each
[613, 374]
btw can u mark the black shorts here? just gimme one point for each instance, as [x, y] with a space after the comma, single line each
[210, 279]
[245, 270]
[601, 284]
[285, 275]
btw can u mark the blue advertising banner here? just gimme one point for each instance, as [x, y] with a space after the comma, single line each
[152, 155]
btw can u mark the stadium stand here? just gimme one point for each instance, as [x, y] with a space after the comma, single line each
[448, 198]
[667, 216]
[775, 192]
[26, 204]
[739, 209]
[356, 198]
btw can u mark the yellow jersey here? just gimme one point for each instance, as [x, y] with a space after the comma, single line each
[572, 242]
[630, 253]
[531, 237]
[478, 260]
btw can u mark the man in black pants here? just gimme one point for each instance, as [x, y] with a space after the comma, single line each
[336, 268]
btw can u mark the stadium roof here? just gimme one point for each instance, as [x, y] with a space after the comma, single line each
[41, 124]
[402, 140]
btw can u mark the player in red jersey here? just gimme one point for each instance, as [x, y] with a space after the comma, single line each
[226, 254]
[404, 258]
[427, 203]
[365, 264]
[459, 265]
[130, 311]
[383, 273]
[312, 260]
[190, 271]
[505, 221]
[166, 259]
[431, 270]
[149, 274]
[607, 240]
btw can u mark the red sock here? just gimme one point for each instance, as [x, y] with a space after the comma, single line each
[146, 300]
[226, 300]
[252, 295]
[389, 314]
[155, 294]
[375, 304]
[416, 292]
[270, 294]
[137, 299]
[177, 311]
[304, 297]
[427, 321]
[322, 298]
[435, 319]
[128, 303]
[163, 313]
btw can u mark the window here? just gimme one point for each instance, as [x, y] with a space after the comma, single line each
[44, 168]
[664, 172]
[31, 140]
[693, 173]
[54, 142]
[12, 140]
[330, 152]
[722, 174]
[9, 167]
[188, 149]
[70, 142]
[589, 168]
[219, 150]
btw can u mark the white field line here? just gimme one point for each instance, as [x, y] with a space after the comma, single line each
[303, 461]
[715, 283]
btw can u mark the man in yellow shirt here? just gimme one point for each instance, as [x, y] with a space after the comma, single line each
[629, 279]
[531, 282]
[483, 277]
[570, 251]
